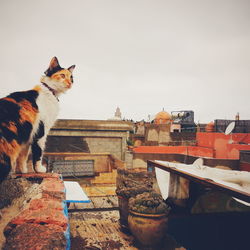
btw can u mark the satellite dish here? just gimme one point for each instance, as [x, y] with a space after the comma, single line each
[230, 128]
[198, 163]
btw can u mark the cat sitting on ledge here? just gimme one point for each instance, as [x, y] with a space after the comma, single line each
[26, 118]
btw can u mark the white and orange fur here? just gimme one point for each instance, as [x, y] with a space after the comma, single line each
[27, 118]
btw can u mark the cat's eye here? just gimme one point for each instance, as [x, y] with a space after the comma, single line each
[62, 75]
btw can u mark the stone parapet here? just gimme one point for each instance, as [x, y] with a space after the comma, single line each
[36, 236]
[43, 222]
[90, 125]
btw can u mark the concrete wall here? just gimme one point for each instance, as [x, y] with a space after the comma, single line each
[182, 138]
[157, 134]
[129, 159]
[225, 146]
[111, 145]
[185, 150]
[99, 136]
[102, 162]
[140, 160]
[161, 135]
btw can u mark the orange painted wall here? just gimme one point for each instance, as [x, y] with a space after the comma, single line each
[220, 142]
[186, 150]
[214, 145]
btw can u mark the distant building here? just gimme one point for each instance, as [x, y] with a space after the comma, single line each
[94, 141]
[117, 116]
[89, 136]
[162, 131]
[162, 117]
[185, 120]
[118, 113]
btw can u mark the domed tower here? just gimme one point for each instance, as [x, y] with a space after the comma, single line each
[162, 117]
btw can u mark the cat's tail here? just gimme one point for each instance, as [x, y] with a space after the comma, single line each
[5, 166]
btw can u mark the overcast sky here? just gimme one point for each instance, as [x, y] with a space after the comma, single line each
[140, 55]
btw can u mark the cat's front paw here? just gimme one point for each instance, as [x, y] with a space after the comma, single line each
[41, 169]
[24, 170]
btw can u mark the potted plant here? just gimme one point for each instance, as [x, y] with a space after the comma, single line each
[147, 218]
[130, 182]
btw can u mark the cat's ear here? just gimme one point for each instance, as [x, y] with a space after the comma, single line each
[71, 68]
[54, 63]
[53, 66]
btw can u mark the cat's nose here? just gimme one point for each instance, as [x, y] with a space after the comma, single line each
[69, 84]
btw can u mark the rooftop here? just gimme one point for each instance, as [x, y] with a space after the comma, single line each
[68, 124]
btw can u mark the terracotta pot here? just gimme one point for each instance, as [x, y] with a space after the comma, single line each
[148, 229]
[137, 176]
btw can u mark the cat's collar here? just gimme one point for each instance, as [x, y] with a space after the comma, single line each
[50, 89]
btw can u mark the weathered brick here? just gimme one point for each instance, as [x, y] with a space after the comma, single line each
[40, 175]
[50, 184]
[35, 236]
[41, 216]
[44, 203]
[53, 188]
[43, 223]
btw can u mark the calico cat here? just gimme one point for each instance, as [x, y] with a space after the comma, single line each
[26, 118]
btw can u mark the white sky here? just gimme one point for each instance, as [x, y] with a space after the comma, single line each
[140, 55]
